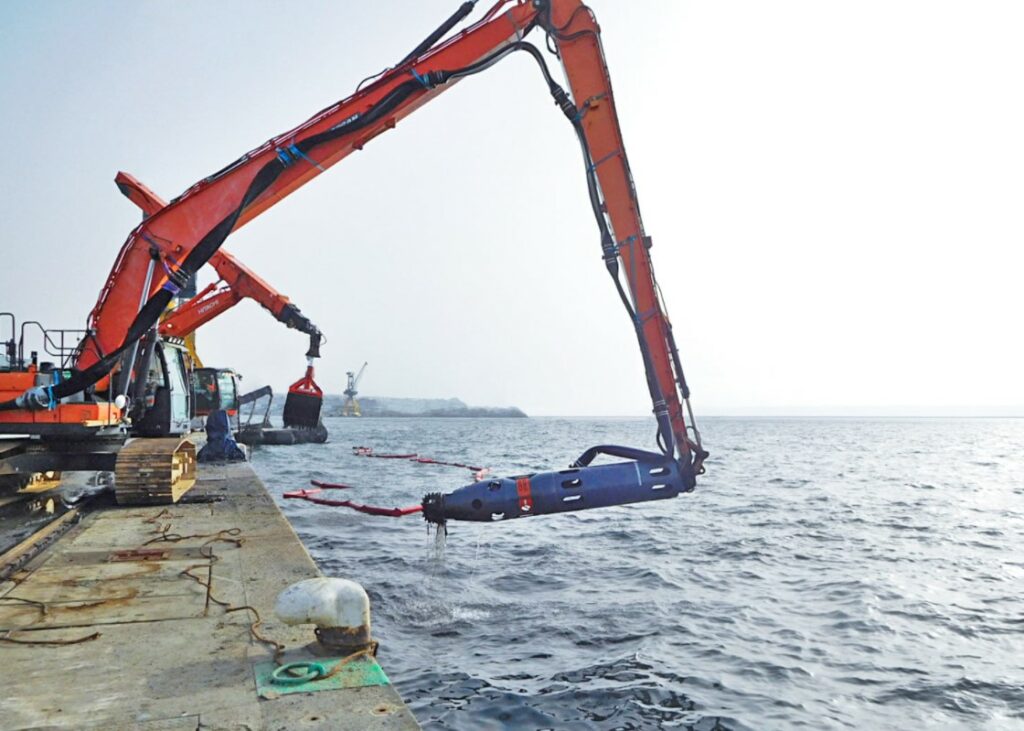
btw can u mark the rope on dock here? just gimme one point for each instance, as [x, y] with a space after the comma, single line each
[164, 535]
[226, 535]
[206, 551]
[78, 640]
[43, 608]
[305, 671]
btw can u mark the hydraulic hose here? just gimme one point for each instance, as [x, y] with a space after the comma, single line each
[465, 9]
[564, 102]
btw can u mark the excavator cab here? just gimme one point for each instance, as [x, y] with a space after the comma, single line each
[216, 389]
[162, 391]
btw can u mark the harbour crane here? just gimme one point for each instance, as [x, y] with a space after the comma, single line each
[351, 406]
[75, 405]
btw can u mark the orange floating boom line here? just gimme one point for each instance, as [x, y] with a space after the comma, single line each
[310, 496]
[330, 485]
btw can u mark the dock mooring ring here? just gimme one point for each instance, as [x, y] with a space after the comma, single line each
[297, 673]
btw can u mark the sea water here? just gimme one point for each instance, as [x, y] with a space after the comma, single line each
[826, 574]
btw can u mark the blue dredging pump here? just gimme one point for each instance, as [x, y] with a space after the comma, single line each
[648, 476]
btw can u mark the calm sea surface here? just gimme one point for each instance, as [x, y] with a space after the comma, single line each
[827, 573]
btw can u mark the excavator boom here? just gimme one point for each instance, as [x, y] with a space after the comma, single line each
[169, 246]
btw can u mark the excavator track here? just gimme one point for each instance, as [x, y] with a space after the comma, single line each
[154, 471]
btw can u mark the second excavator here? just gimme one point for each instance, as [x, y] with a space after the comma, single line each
[237, 282]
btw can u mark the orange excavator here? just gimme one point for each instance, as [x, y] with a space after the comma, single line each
[80, 400]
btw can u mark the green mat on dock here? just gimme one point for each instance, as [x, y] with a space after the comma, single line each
[358, 673]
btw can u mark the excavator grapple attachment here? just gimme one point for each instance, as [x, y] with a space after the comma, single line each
[154, 471]
[303, 403]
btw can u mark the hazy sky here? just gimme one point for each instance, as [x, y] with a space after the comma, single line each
[834, 191]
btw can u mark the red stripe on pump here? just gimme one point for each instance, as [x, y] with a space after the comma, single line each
[523, 490]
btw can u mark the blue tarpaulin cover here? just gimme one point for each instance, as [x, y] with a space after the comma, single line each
[220, 445]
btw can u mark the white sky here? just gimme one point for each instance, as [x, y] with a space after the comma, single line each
[834, 190]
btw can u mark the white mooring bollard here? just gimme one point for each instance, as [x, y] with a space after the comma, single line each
[339, 608]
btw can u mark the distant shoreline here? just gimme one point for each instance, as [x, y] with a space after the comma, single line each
[402, 408]
[470, 413]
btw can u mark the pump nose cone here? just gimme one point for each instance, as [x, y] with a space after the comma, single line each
[433, 508]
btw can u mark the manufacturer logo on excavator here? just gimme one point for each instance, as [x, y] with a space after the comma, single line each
[347, 120]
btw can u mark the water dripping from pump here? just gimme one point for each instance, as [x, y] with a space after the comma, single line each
[440, 540]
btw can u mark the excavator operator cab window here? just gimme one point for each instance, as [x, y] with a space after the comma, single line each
[168, 400]
[204, 389]
[214, 389]
[181, 391]
[227, 386]
[155, 380]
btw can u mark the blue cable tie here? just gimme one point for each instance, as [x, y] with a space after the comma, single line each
[170, 286]
[422, 79]
[283, 157]
[299, 153]
[647, 314]
[606, 158]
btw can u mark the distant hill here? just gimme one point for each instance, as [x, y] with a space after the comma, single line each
[399, 407]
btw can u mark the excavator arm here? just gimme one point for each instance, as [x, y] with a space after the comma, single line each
[237, 282]
[168, 247]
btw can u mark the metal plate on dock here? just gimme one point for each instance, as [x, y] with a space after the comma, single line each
[359, 673]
